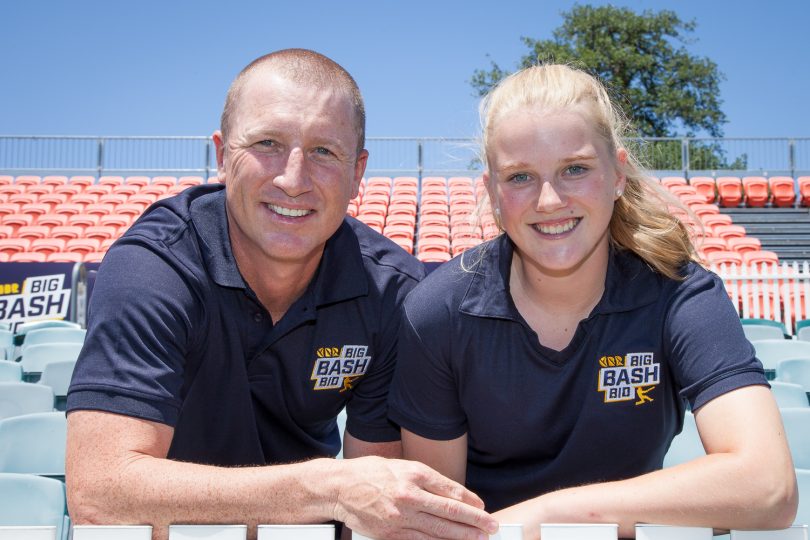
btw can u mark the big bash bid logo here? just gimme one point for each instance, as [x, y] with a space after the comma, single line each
[339, 367]
[628, 377]
[40, 298]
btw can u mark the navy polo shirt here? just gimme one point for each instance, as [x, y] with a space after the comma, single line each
[604, 408]
[176, 336]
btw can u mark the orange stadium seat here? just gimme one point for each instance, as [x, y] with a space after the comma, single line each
[53, 198]
[433, 256]
[65, 256]
[405, 181]
[55, 180]
[11, 188]
[399, 231]
[114, 198]
[710, 244]
[6, 179]
[743, 244]
[82, 181]
[111, 181]
[669, 181]
[9, 208]
[69, 208]
[4, 257]
[682, 189]
[82, 244]
[144, 198]
[68, 189]
[190, 181]
[759, 257]
[67, 232]
[84, 198]
[99, 208]
[691, 199]
[442, 220]
[94, 256]
[98, 189]
[52, 219]
[440, 181]
[39, 189]
[131, 208]
[704, 209]
[83, 220]
[408, 220]
[6, 231]
[783, 191]
[48, 245]
[13, 245]
[729, 231]
[167, 181]
[139, 181]
[23, 198]
[804, 190]
[466, 231]
[434, 231]
[461, 245]
[38, 208]
[729, 191]
[755, 191]
[116, 220]
[375, 221]
[33, 231]
[28, 256]
[101, 231]
[724, 257]
[18, 220]
[27, 180]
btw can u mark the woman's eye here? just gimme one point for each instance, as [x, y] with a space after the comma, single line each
[519, 178]
[576, 170]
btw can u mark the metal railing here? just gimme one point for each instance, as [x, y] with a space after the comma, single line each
[389, 156]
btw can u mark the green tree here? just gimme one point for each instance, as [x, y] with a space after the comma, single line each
[665, 90]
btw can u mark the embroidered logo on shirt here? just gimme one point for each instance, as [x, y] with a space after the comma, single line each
[339, 367]
[629, 377]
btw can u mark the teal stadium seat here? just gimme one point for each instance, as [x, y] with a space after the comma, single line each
[789, 394]
[18, 398]
[53, 335]
[6, 344]
[24, 328]
[797, 429]
[29, 500]
[756, 329]
[34, 444]
[803, 514]
[35, 357]
[57, 375]
[795, 370]
[773, 351]
[10, 371]
[686, 445]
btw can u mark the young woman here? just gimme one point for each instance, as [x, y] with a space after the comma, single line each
[550, 368]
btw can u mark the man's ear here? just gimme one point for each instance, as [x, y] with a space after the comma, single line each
[219, 144]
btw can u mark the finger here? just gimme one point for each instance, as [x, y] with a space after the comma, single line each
[458, 512]
[431, 526]
[441, 485]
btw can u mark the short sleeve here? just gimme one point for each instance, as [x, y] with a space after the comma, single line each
[367, 411]
[142, 313]
[424, 395]
[709, 352]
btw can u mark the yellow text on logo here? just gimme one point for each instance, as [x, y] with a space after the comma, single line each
[328, 352]
[611, 361]
[10, 288]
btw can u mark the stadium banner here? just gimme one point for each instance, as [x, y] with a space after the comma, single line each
[35, 292]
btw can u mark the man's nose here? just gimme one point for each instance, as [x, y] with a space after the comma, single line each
[294, 179]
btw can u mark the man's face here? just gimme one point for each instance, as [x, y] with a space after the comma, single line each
[290, 166]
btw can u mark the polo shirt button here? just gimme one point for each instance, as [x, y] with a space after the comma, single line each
[257, 317]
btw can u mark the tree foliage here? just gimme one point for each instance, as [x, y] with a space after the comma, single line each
[642, 58]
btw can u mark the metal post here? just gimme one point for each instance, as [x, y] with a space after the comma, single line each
[685, 165]
[100, 161]
[78, 293]
[207, 159]
[420, 164]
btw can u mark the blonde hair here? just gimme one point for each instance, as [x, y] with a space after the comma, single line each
[643, 220]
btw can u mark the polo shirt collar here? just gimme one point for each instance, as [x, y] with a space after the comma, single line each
[629, 284]
[340, 274]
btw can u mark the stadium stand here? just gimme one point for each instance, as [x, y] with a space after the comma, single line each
[789, 394]
[729, 191]
[34, 444]
[30, 500]
[18, 398]
[795, 370]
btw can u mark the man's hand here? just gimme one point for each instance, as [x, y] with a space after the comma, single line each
[396, 499]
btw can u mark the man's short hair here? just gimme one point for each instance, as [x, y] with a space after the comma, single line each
[303, 66]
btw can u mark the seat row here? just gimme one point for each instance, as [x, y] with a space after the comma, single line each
[750, 191]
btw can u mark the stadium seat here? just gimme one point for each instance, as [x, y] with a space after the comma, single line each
[116, 221]
[27, 180]
[83, 219]
[34, 444]
[53, 198]
[94, 256]
[711, 244]
[10, 371]
[702, 210]
[69, 208]
[52, 219]
[729, 191]
[18, 220]
[111, 181]
[101, 231]
[68, 189]
[113, 198]
[803, 480]
[724, 257]
[67, 232]
[54, 180]
[789, 394]
[755, 191]
[9, 208]
[797, 420]
[744, 244]
[6, 344]
[442, 220]
[797, 371]
[97, 190]
[35, 357]
[772, 351]
[84, 198]
[462, 244]
[760, 257]
[706, 187]
[14, 245]
[434, 231]
[18, 398]
[729, 231]
[188, 181]
[804, 190]
[34, 231]
[82, 245]
[139, 181]
[28, 256]
[29, 500]
[24, 328]
[669, 181]
[686, 445]
[433, 256]
[53, 334]
[783, 191]
[802, 328]
[763, 329]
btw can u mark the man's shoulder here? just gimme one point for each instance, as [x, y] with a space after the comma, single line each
[381, 256]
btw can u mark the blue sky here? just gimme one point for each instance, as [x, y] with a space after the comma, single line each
[149, 67]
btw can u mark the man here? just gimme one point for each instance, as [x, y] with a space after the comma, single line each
[229, 327]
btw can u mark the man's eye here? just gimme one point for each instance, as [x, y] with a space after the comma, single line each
[267, 143]
[323, 151]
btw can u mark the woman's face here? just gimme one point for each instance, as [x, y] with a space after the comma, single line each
[554, 182]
